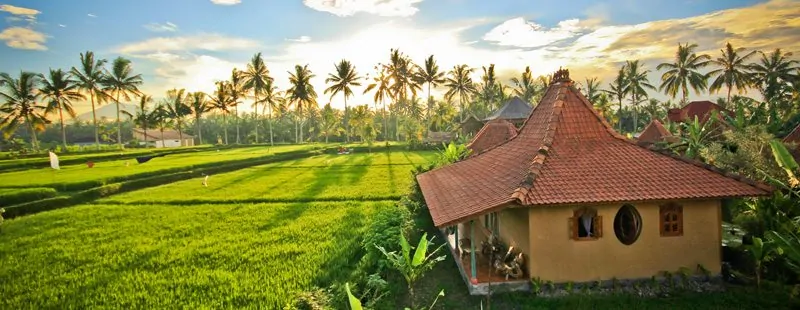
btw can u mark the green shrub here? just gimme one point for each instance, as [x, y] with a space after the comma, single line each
[26, 195]
[384, 231]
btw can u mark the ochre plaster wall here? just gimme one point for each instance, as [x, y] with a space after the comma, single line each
[514, 231]
[556, 257]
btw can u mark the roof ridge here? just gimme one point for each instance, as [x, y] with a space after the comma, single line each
[537, 162]
[679, 158]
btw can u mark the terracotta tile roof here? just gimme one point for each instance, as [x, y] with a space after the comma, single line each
[516, 108]
[566, 153]
[794, 136]
[654, 132]
[492, 134]
[701, 109]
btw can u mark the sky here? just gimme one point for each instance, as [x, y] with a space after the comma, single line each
[193, 43]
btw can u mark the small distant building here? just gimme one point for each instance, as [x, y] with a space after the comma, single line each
[169, 138]
[700, 109]
[470, 126]
[655, 132]
[515, 111]
[793, 139]
[492, 134]
[439, 137]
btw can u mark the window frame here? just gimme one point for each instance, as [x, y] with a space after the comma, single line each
[575, 222]
[673, 210]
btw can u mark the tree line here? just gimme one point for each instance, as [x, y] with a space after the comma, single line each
[29, 99]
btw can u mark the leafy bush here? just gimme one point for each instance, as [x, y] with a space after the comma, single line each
[23, 195]
[384, 231]
[315, 299]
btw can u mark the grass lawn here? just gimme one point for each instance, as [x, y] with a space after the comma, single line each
[45, 177]
[166, 256]
[374, 176]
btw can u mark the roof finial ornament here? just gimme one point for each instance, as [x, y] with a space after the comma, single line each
[561, 76]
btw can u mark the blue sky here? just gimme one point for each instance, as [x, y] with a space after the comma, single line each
[191, 43]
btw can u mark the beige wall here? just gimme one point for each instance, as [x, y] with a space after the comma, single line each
[554, 256]
[514, 231]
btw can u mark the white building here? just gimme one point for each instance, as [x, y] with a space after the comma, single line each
[168, 138]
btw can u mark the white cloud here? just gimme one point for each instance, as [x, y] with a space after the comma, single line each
[521, 33]
[20, 13]
[24, 38]
[165, 27]
[301, 39]
[91, 15]
[206, 42]
[402, 8]
[226, 2]
[62, 25]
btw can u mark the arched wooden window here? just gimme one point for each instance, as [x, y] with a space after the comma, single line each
[671, 218]
[585, 225]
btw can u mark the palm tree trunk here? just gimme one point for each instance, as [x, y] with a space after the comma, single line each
[225, 126]
[269, 121]
[428, 121]
[199, 131]
[63, 129]
[619, 116]
[385, 123]
[255, 114]
[34, 141]
[729, 96]
[180, 133]
[144, 127]
[119, 126]
[94, 120]
[633, 97]
[161, 128]
[236, 110]
[346, 122]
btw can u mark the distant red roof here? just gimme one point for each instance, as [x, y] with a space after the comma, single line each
[701, 109]
[568, 154]
[794, 136]
[492, 134]
[654, 132]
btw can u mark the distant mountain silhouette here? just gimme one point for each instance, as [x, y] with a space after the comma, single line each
[109, 111]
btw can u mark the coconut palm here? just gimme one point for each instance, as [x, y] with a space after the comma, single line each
[161, 118]
[772, 71]
[256, 79]
[603, 105]
[272, 99]
[60, 90]
[732, 70]
[489, 85]
[525, 85]
[381, 85]
[402, 71]
[91, 77]
[345, 77]
[592, 89]
[199, 105]
[21, 105]
[302, 93]
[430, 75]
[683, 73]
[617, 90]
[121, 82]
[460, 84]
[177, 109]
[636, 85]
[330, 123]
[222, 101]
[144, 117]
[236, 91]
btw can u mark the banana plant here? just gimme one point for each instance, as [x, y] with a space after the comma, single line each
[696, 136]
[761, 252]
[788, 245]
[452, 153]
[413, 267]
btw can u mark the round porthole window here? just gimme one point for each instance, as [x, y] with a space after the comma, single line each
[627, 224]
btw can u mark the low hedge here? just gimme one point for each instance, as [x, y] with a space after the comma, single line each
[136, 184]
[23, 195]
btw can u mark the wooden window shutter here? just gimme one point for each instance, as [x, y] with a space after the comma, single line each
[598, 226]
[571, 228]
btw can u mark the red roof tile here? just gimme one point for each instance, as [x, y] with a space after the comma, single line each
[793, 137]
[700, 109]
[492, 134]
[566, 154]
[654, 132]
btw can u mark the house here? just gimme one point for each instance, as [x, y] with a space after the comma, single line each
[579, 201]
[470, 126]
[655, 132]
[494, 133]
[167, 138]
[439, 137]
[515, 111]
[700, 109]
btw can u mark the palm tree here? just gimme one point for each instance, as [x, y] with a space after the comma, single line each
[161, 116]
[329, 121]
[177, 109]
[91, 77]
[222, 101]
[121, 82]
[401, 69]
[525, 86]
[199, 105]
[257, 78]
[489, 85]
[345, 77]
[636, 82]
[460, 84]
[592, 89]
[60, 90]
[732, 71]
[272, 98]
[617, 90]
[144, 117]
[21, 105]
[430, 75]
[772, 71]
[237, 91]
[302, 93]
[603, 105]
[683, 73]
[381, 85]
